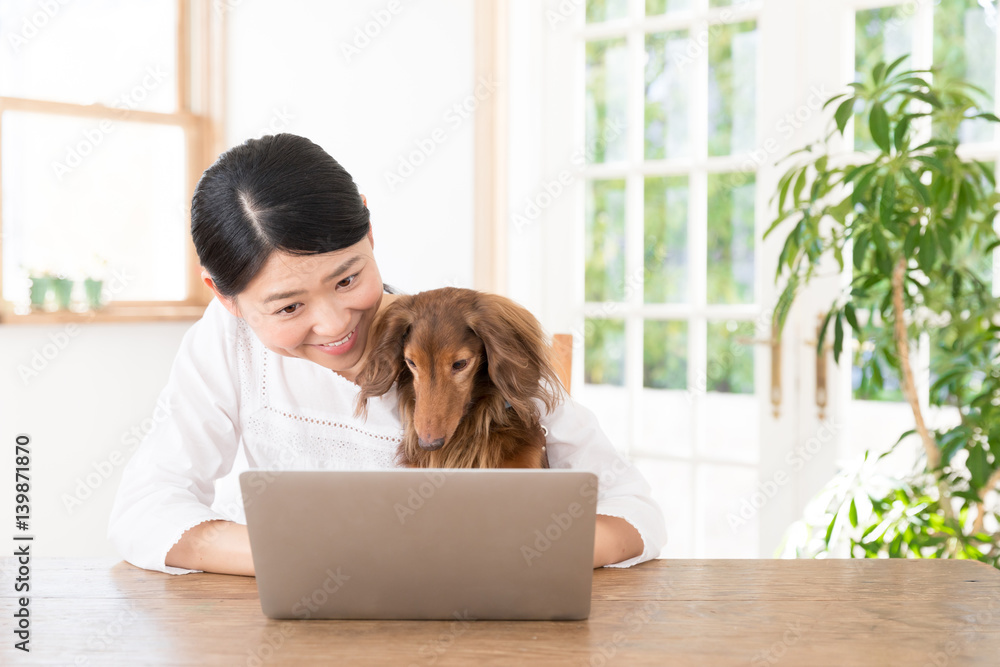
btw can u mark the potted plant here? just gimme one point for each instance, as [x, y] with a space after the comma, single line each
[63, 288]
[914, 221]
[40, 288]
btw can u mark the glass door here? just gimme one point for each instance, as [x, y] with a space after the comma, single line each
[674, 293]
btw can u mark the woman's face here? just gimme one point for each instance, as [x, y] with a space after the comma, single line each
[315, 307]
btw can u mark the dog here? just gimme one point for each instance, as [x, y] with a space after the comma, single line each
[472, 370]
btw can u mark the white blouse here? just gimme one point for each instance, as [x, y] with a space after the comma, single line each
[227, 392]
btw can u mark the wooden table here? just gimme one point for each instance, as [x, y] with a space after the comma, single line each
[667, 612]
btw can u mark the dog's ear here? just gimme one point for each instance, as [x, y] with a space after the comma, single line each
[517, 354]
[384, 363]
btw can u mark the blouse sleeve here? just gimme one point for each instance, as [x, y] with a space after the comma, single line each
[575, 440]
[168, 485]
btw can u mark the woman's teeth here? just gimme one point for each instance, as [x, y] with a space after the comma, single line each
[339, 342]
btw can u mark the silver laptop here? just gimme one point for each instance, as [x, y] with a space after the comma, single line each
[422, 544]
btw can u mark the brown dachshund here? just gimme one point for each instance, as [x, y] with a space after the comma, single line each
[468, 368]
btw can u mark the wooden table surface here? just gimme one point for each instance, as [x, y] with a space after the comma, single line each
[666, 612]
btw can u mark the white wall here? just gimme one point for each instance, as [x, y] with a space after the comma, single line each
[82, 393]
[287, 72]
[292, 68]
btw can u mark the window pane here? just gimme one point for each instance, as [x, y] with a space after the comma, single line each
[965, 47]
[665, 252]
[94, 198]
[667, 424]
[607, 78]
[604, 352]
[730, 360]
[881, 34]
[664, 356]
[732, 86]
[606, 10]
[731, 238]
[872, 378]
[118, 53]
[604, 241]
[654, 7]
[668, 88]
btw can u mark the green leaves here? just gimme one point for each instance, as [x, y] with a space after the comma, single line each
[878, 122]
[900, 133]
[887, 201]
[844, 113]
[928, 251]
[927, 204]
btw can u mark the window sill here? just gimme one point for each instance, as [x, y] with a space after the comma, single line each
[111, 313]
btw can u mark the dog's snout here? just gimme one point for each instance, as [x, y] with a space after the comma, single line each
[430, 445]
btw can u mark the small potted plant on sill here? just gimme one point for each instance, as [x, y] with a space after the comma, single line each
[62, 287]
[914, 221]
[40, 289]
[93, 284]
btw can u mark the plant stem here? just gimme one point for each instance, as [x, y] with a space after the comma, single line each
[910, 387]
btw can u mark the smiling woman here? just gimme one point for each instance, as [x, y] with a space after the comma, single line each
[287, 248]
[325, 318]
[290, 252]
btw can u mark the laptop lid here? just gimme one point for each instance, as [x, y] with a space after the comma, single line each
[422, 544]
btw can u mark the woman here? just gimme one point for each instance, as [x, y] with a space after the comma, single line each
[286, 246]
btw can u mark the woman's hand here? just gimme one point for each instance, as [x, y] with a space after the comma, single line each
[214, 546]
[615, 540]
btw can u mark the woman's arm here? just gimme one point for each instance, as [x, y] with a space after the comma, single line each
[615, 540]
[168, 485]
[214, 546]
[630, 526]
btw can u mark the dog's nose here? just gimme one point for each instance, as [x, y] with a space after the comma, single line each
[430, 445]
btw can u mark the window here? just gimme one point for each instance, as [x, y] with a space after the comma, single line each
[671, 286]
[105, 127]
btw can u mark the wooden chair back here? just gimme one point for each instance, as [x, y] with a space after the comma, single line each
[562, 358]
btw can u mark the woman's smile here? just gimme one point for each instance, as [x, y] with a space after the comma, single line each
[315, 307]
[341, 346]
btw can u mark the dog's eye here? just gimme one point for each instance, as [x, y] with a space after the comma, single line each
[409, 362]
[459, 365]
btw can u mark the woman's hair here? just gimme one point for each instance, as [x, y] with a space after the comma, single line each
[279, 192]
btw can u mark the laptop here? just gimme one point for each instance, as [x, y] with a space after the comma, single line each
[422, 543]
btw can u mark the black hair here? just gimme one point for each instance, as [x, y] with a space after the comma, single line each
[278, 192]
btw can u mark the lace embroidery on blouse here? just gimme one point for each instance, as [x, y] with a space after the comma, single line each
[281, 439]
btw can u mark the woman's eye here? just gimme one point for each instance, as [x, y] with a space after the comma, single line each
[288, 310]
[348, 281]
[459, 365]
